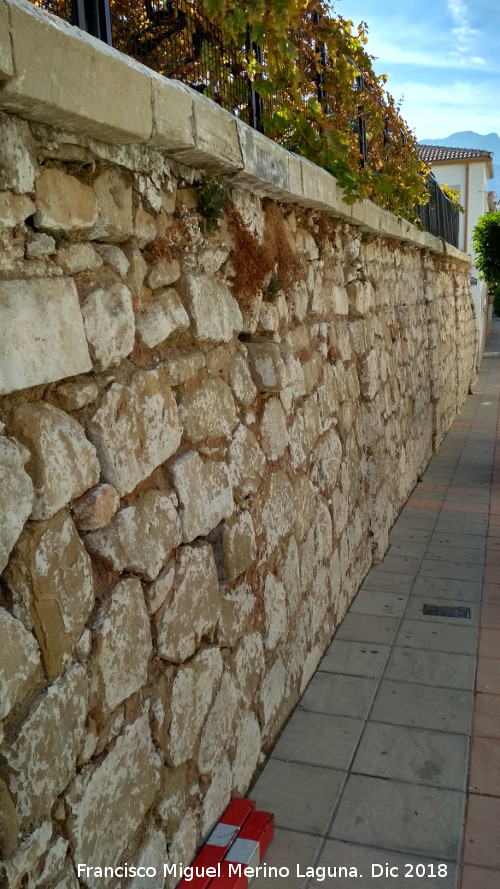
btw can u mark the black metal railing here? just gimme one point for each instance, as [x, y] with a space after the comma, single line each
[175, 38]
[438, 216]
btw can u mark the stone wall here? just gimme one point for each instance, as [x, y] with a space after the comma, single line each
[204, 440]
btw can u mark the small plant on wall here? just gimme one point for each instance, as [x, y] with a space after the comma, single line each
[214, 198]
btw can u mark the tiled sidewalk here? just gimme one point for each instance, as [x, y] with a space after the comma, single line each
[371, 769]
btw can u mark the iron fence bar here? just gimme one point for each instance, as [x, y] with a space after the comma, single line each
[256, 103]
[98, 18]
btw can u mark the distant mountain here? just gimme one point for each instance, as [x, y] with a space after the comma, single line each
[469, 139]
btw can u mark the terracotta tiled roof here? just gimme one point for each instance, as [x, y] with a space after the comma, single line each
[432, 153]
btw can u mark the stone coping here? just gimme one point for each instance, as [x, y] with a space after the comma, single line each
[53, 73]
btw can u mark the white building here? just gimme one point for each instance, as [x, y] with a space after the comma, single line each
[467, 170]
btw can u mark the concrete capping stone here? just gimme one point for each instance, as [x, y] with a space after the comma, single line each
[6, 64]
[67, 78]
[117, 100]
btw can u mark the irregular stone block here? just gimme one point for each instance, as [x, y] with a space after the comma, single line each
[272, 693]
[217, 796]
[248, 748]
[361, 298]
[78, 258]
[64, 203]
[17, 167]
[122, 646]
[273, 429]
[277, 513]
[20, 664]
[51, 571]
[215, 314]
[108, 805]
[369, 375]
[140, 537]
[135, 429]
[326, 459]
[114, 204]
[42, 338]
[63, 462]
[192, 609]
[192, 694]
[238, 545]
[14, 208]
[96, 509]
[73, 396]
[9, 822]
[249, 664]
[43, 756]
[17, 497]
[161, 317]
[109, 322]
[276, 613]
[267, 366]
[217, 733]
[163, 273]
[181, 365]
[40, 244]
[114, 257]
[247, 463]
[208, 411]
[240, 380]
[204, 492]
[306, 428]
[236, 608]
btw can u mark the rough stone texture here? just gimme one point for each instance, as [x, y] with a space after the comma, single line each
[192, 610]
[240, 380]
[181, 366]
[273, 428]
[20, 666]
[49, 307]
[63, 462]
[72, 396]
[267, 366]
[108, 805]
[217, 733]
[63, 203]
[214, 312]
[276, 612]
[160, 318]
[163, 273]
[192, 694]
[122, 646]
[246, 463]
[140, 537]
[109, 322]
[78, 258]
[17, 497]
[17, 166]
[135, 428]
[248, 747]
[50, 571]
[281, 457]
[113, 196]
[238, 545]
[14, 208]
[204, 491]
[42, 758]
[96, 509]
[208, 412]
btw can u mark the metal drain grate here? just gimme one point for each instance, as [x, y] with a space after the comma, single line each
[447, 611]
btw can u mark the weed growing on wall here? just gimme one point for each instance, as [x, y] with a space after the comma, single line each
[213, 200]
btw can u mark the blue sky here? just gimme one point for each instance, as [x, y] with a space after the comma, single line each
[441, 56]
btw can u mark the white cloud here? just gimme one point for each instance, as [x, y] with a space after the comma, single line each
[437, 111]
